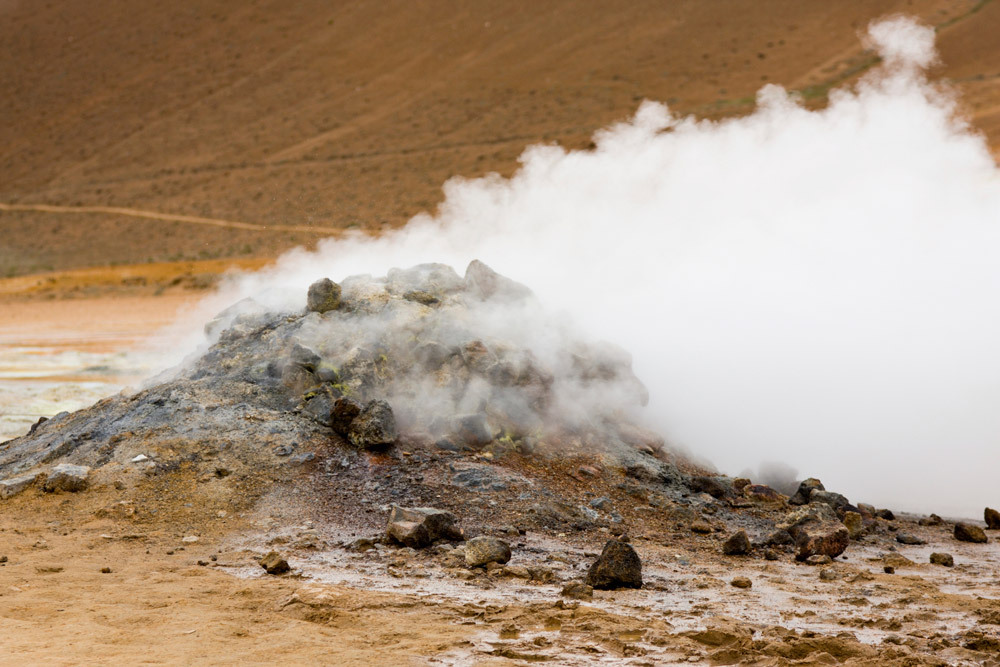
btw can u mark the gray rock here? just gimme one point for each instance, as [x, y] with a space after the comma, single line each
[482, 550]
[618, 566]
[375, 426]
[486, 283]
[274, 563]
[940, 558]
[885, 514]
[67, 477]
[15, 485]
[419, 527]
[801, 496]
[909, 538]
[834, 500]
[473, 430]
[738, 544]
[323, 296]
[967, 532]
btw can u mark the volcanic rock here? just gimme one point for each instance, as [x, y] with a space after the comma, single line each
[375, 426]
[323, 296]
[482, 550]
[818, 559]
[488, 284]
[801, 496]
[701, 527]
[762, 493]
[274, 563]
[343, 413]
[67, 477]
[909, 538]
[992, 518]
[826, 539]
[945, 559]
[855, 524]
[473, 430]
[419, 527]
[932, 520]
[967, 532]
[737, 544]
[834, 500]
[717, 487]
[618, 566]
[885, 514]
[741, 582]
[15, 485]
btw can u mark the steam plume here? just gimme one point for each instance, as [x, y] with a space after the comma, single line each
[813, 287]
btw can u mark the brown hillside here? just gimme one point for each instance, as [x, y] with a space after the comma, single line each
[307, 114]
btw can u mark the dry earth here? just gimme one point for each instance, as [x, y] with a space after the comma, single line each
[294, 119]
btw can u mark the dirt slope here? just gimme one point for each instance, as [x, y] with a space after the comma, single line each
[353, 115]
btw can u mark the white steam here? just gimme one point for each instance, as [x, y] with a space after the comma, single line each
[820, 288]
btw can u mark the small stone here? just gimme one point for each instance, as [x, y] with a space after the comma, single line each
[15, 485]
[992, 518]
[818, 559]
[342, 414]
[105, 570]
[362, 544]
[828, 574]
[909, 538]
[854, 523]
[140, 458]
[618, 566]
[967, 532]
[67, 477]
[482, 550]
[932, 520]
[885, 514]
[190, 539]
[273, 563]
[577, 590]
[737, 544]
[419, 527]
[889, 569]
[701, 527]
[940, 558]
[801, 496]
[771, 554]
[741, 582]
[323, 296]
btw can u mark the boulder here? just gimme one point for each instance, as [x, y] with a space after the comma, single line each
[737, 544]
[967, 532]
[826, 538]
[945, 559]
[992, 518]
[473, 430]
[15, 485]
[323, 296]
[854, 523]
[909, 538]
[343, 413]
[885, 514]
[801, 496]
[274, 563]
[67, 477]
[618, 566]
[717, 487]
[419, 527]
[482, 550]
[834, 500]
[375, 426]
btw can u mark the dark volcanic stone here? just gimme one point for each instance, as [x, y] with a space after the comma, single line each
[618, 566]
[343, 413]
[909, 538]
[375, 426]
[966, 532]
[419, 527]
[992, 518]
[885, 514]
[932, 520]
[831, 498]
[323, 296]
[738, 544]
[801, 497]
[577, 590]
[273, 563]
[713, 486]
[944, 559]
